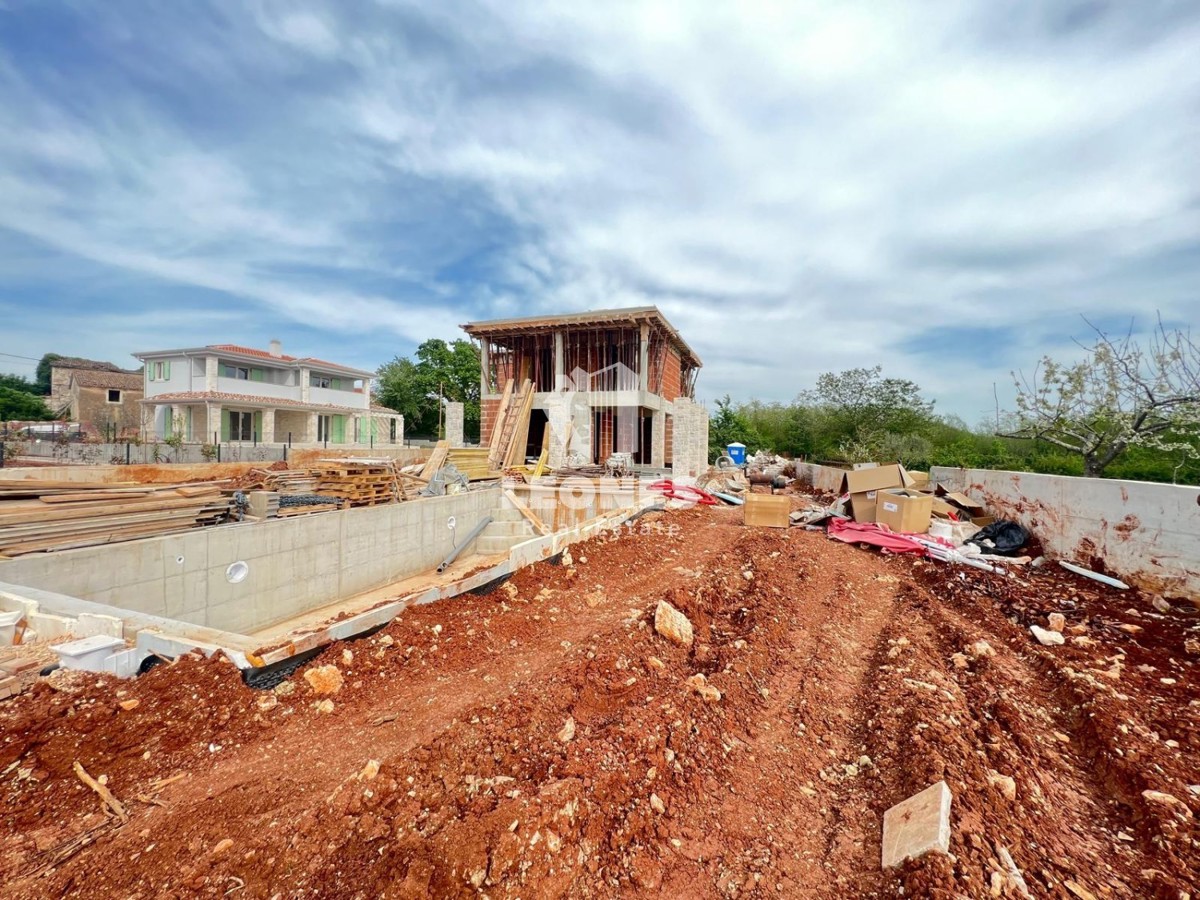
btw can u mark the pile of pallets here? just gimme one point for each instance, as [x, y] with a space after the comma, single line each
[41, 516]
[360, 482]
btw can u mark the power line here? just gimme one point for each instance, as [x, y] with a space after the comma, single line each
[14, 356]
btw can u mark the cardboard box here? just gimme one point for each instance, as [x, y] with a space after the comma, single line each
[862, 506]
[904, 509]
[862, 485]
[766, 510]
[860, 481]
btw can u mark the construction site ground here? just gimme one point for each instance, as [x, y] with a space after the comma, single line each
[543, 740]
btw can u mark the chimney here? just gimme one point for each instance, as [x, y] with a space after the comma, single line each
[276, 349]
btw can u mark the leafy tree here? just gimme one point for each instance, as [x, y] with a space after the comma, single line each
[18, 383]
[43, 372]
[859, 407]
[22, 406]
[729, 426]
[1121, 395]
[441, 370]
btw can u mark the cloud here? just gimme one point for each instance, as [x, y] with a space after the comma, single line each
[801, 187]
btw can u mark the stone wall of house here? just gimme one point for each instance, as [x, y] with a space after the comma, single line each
[689, 438]
[92, 409]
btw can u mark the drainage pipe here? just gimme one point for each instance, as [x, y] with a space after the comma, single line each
[467, 542]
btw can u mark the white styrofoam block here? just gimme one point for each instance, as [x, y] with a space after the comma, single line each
[87, 653]
[124, 663]
[8, 626]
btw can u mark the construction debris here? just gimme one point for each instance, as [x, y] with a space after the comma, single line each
[918, 825]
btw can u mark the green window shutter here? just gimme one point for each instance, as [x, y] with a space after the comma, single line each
[258, 424]
[336, 384]
[167, 370]
[256, 374]
[170, 424]
[190, 424]
[226, 372]
[226, 416]
[339, 429]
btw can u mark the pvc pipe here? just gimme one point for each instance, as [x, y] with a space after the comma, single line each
[467, 542]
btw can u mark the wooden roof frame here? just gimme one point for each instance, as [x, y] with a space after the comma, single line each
[591, 319]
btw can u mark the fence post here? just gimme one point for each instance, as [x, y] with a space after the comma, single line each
[3, 453]
[127, 453]
[289, 439]
[255, 438]
[218, 452]
[285, 450]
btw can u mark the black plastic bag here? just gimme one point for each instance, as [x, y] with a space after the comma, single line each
[1001, 538]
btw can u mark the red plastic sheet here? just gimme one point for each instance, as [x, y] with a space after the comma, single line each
[876, 535]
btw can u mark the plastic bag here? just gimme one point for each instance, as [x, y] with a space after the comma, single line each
[1002, 538]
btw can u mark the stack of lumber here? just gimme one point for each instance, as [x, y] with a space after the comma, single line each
[472, 462]
[40, 516]
[360, 482]
[281, 481]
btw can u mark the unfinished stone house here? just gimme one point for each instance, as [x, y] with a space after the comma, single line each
[227, 392]
[604, 382]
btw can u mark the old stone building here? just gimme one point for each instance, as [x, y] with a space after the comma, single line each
[106, 404]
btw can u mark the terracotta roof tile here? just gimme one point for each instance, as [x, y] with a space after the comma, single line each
[125, 381]
[251, 351]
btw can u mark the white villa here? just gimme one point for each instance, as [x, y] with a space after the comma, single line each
[226, 392]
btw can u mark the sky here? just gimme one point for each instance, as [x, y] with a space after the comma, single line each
[949, 190]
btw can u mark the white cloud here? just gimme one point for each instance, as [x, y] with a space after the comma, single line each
[801, 186]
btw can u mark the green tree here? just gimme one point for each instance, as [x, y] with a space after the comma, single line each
[18, 383]
[22, 406]
[857, 408]
[43, 372]
[441, 370]
[728, 426]
[1121, 395]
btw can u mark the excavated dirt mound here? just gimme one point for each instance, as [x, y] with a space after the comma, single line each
[544, 741]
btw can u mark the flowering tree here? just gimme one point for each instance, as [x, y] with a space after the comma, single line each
[1120, 395]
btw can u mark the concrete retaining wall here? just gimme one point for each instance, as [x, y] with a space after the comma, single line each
[1144, 533]
[294, 564]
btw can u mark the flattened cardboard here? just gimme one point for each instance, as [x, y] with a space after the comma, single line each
[766, 510]
[962, 501]
[903, 509]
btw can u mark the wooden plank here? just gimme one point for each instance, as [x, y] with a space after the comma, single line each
[91, 496]
[526, 512]
[436, 460]
[498, 427]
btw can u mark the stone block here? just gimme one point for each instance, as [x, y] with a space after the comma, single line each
[672, 624]
[88, 624]
[918, 825]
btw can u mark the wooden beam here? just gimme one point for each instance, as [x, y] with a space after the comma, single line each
[526, 512]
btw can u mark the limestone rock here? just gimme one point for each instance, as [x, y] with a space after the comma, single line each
[1046, 638]
[1057, 622]
[566, 734]
[672, 624]
[655, 664]
[657, 805]
[700, 685]
[1005, 784]
[324, 679]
